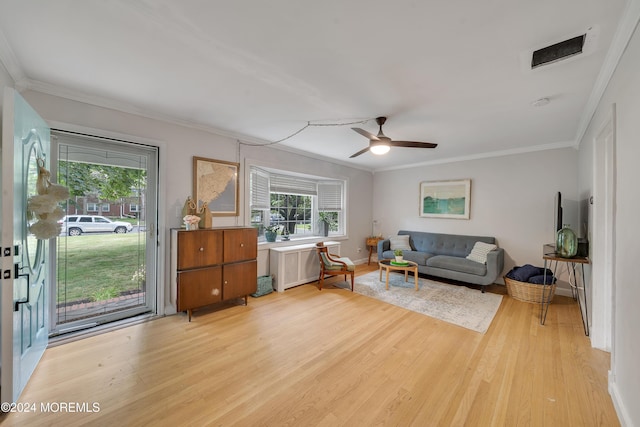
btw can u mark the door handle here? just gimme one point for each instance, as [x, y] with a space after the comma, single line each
[16, 271]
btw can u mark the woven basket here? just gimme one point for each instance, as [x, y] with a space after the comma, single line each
[529, 292]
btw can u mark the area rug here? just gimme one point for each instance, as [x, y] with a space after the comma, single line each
[455, 304]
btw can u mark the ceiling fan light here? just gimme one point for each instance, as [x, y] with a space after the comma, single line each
[379, 149]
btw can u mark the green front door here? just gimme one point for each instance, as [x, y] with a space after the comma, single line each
[24, 302]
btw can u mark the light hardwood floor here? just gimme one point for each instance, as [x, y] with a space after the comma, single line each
[329, 358]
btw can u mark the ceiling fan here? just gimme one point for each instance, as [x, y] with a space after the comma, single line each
[381, 144]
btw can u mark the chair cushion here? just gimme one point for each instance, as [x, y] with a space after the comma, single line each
[335, 266]
[329, 265]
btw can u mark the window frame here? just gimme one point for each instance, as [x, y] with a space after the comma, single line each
[261, 217]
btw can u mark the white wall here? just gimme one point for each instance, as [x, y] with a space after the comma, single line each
[623, 91]
[179, 145]
[512, 199]
[5, 81]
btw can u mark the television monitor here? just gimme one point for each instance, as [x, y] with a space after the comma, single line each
[557, 213]
[565, 212]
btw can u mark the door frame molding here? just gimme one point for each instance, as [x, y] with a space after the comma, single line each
[603, 229]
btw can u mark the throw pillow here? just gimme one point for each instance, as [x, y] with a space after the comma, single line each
[400, 242]
[480, 251]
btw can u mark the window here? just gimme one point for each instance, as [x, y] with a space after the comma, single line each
[292, 212]
[95, 207]
[299, 205]
[134, 208]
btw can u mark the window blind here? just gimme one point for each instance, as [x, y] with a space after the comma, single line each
[259, 189]
[292, 185]
[330, 196]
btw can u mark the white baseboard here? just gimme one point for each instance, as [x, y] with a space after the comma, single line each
[621, 411]
[564, 292]
[363, 260]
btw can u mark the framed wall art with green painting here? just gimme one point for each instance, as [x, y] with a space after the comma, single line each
[445, 199]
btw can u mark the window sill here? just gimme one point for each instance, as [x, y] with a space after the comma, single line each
[300, 241]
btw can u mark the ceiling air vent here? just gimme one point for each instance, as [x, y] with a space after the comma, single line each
[558, 51]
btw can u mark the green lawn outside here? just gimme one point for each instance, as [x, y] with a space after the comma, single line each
[132, 221]
[98, 266]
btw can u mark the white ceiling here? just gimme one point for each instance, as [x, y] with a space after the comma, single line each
[450, 72]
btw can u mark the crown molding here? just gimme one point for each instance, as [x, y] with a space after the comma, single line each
[111, 104]
[487, 155]
[123, 107]
[257, 142]
[624, 32]
[10, 62]
[314, 156]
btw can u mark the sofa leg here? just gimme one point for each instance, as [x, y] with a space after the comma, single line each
[482, 287]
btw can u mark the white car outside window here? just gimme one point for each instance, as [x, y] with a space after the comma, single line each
[75, 225]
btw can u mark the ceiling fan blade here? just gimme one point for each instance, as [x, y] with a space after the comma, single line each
[364, 150]
[413, 144]
[364, 133]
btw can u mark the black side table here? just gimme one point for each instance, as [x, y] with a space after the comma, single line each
[552, 260]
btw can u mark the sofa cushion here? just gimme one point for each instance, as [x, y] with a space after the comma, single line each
[444, 244]
[480, 251]
[457, 264]
[419, 258]
[400, 242]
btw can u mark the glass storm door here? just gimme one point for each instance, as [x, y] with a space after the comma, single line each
[110, 231]
[23, 306]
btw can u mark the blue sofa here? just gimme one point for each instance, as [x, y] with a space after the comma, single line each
[444, 255]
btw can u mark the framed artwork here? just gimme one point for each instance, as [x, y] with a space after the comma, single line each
[445, 199]
[215, 183]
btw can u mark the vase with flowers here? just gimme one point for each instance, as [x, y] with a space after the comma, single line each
[191, 222]
[271, 232]
[399, 256]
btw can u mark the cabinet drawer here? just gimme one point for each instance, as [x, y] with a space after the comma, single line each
[197, 288]
[240, 279]
[199, 248]
[240, 244]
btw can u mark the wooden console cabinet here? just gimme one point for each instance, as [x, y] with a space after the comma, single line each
[213, 265]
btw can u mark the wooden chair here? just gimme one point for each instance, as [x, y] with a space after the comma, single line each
[333, 265]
